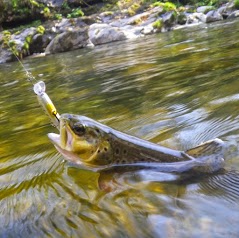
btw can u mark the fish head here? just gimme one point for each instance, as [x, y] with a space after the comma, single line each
[82, 141]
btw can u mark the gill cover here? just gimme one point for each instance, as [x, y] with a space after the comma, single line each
[81, 137]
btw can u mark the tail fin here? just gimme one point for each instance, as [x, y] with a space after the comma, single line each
[212, 148]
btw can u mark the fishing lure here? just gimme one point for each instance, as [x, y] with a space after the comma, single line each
[46, 103]
[40, 90]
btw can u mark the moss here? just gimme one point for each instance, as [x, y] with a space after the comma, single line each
[158, 24]
[133, 9]
[75, 13]
[41, 29]
[46, 12]
[236, 3]
[6, 38]
[168, 6]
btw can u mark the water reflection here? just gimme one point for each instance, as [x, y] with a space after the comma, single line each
[177, 89]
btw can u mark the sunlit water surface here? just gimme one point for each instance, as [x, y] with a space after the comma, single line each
[177, 89]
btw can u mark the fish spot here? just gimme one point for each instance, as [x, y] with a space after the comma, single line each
[105, 149]
[97, 130]
[117, 151]
[98, 151]
[108, 159]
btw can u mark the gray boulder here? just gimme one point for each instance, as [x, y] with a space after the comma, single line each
[169, 19]
[69, 40]
[104, 33]
[39, 43]
[234, 14]
[205, 9]
[6, 56]
[196, 18]
[213, 16]
[182, 18]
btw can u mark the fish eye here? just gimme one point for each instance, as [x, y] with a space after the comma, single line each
[79, 129]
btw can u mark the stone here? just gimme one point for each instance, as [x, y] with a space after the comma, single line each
[234, 14]
[104, 33]
[39, 43]
[147, 30]
[182, 18]
[27, 32]
[132, 32]
[205, 9]
[169, 19]
[52, 3]
[213, 16]
[6, 56]
[69, 40]
[200, 17]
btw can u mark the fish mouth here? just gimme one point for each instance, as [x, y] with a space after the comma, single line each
[63, 143]
[64, 139]
[55, 139]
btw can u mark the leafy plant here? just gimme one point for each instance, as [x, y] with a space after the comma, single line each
[65, 6]
[236, 3]
[46, 12]
[58, 16]
[75, 13]
[34, 3]
[158, 24]
[167, 6]
[6, 38]
[41, 29]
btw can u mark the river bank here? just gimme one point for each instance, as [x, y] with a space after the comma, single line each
[66, 34]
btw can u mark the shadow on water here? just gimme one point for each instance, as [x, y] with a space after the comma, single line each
[177, 89]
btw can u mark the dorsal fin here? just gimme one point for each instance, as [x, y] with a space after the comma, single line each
[208, 149]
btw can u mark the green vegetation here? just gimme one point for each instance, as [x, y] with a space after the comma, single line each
[41, 30]
[158, 24]
[236, 2]
[58, 16]
[19, 50]
[167, 6]
[9, 43]
[75, 13]
[15, 12]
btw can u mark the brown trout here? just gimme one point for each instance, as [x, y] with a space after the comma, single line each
[85, 141]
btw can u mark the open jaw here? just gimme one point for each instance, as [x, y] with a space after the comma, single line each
[63, 143]
[64, 139]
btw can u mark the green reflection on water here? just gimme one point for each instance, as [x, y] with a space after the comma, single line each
[177, 89]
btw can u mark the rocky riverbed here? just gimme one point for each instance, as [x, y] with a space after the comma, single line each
[89, 31]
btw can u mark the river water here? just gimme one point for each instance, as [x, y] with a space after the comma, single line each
[177, 89]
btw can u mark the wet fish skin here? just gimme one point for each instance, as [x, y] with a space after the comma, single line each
[83, 140]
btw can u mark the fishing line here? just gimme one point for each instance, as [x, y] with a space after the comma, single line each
[29, 75]
[40, 90]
